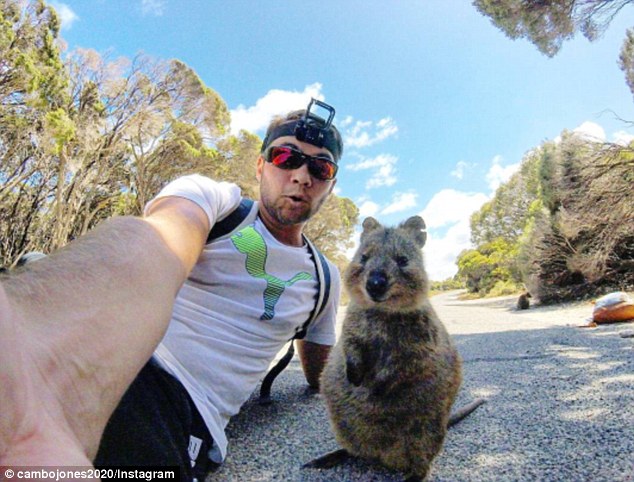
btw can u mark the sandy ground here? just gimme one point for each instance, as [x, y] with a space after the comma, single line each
[478, 317]
[560, 405]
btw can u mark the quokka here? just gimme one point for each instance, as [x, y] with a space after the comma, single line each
[392, 378]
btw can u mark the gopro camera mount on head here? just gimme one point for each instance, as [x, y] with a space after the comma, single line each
[310, 128]
[313, 128]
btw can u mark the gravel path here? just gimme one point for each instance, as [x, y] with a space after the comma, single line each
[560, 405]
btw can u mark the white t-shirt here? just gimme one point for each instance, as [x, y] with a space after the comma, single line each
[245, 298]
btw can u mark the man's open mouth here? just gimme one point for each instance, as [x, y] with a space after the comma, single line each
[298, 199]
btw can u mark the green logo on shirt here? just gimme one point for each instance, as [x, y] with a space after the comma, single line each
[249, 242]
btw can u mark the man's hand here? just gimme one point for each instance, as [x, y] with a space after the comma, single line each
[33, 428]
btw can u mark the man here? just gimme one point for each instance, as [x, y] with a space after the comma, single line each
[78, 327]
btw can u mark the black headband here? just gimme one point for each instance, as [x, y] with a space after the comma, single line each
[327, 137]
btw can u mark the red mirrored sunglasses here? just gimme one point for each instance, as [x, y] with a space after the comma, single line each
[321, 167]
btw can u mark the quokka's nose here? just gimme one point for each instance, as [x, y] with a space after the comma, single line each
[376, 285]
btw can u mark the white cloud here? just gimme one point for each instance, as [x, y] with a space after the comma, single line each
[66, 15]
[450, 207]
[441, 251]
[368, 208]
[460, 169]
[345, 122]
[453, 209]
[499, 174]
[366, 133]
[590, 131]
[623, 138]
[400, 202]
[384, 176]
[153, 7]
[383, 167]
[275, 102]
[371, 163]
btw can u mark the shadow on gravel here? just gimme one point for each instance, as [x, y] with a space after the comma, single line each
[560, 408]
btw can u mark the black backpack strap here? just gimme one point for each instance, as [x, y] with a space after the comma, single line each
[265, 389]
[240, 215]
[323, 295]
[323, 288]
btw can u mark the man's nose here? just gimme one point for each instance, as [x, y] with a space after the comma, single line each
[301, 175]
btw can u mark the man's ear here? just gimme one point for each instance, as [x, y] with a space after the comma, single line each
[259, 167]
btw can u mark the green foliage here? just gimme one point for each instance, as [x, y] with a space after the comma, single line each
[239, 154]
[547, 24]
[563, 225]
[61, 128]
[32, 72]
[332, 228]
[489, 263]
[504, 288]
[626, 59]
[29, 47]
[547, 174]
[506, 214]
[32, 89]
[449, 284]
[498, 229]
[586, 244]
[473, 268]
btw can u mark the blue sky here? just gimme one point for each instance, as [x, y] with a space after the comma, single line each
[436, 105]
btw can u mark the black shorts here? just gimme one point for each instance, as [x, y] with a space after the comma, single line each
[157, 424]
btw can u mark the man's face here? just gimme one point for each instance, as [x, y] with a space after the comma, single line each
[292, 196]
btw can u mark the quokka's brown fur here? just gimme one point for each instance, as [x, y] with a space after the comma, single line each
[392, 378]
[523, 302]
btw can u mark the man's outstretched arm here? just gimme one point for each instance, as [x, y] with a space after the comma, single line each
[76, 327]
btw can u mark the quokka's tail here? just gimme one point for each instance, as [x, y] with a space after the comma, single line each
[464, 411]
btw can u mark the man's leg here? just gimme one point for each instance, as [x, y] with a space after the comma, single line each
[156, 424]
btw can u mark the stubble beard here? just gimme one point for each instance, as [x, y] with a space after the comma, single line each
[285, 216]
[289, 217]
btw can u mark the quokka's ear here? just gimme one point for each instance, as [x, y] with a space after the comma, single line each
[369, 225]
[416, 228]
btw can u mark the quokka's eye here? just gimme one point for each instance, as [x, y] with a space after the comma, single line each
[402, 261]
[364, 258]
